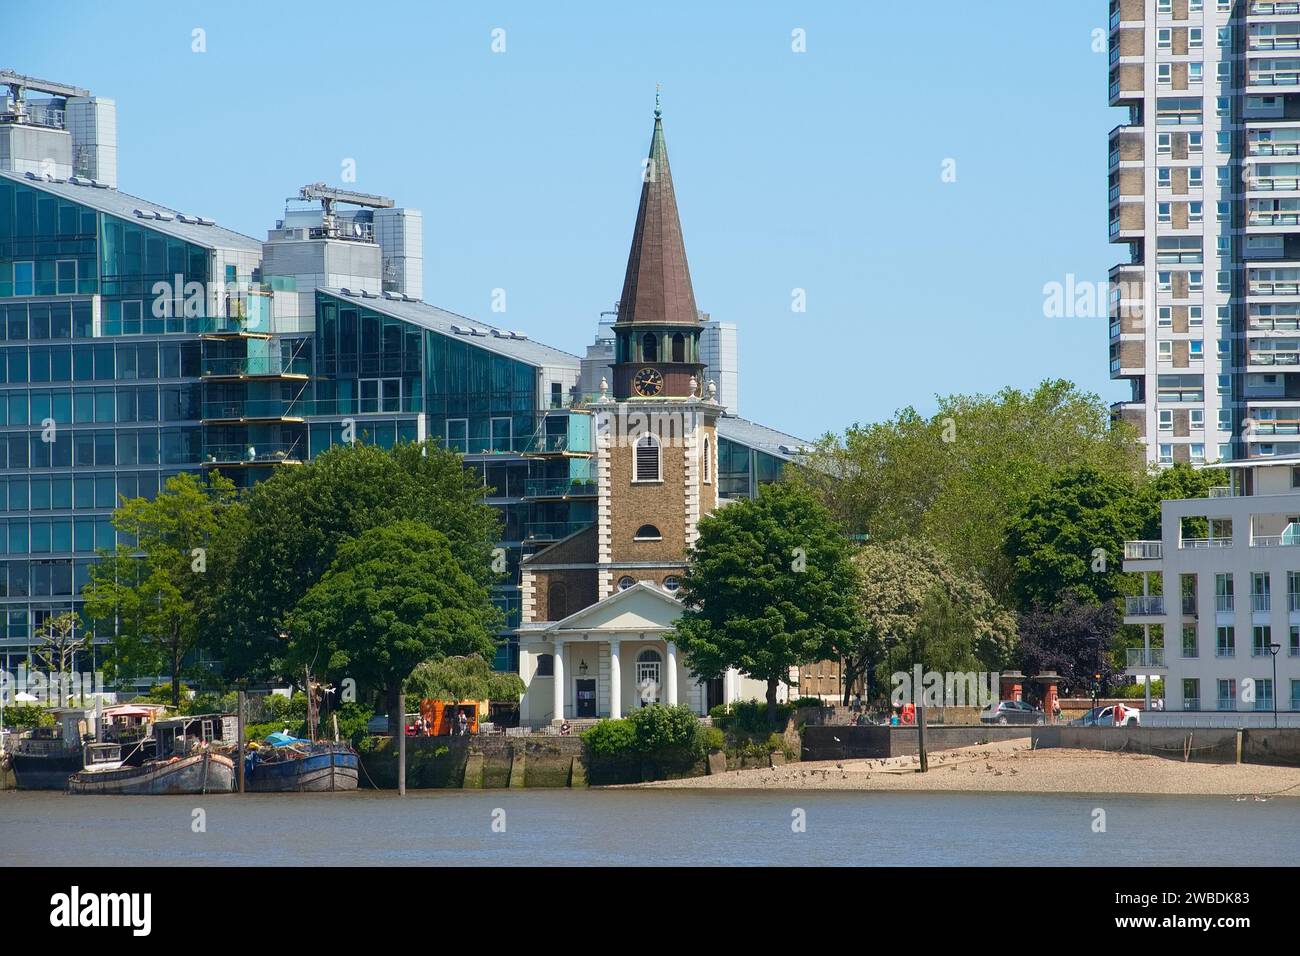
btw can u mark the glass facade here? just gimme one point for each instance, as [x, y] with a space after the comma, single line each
[743, 470]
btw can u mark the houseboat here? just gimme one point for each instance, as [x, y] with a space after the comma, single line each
[286, 764]
[182, 755]
[45, 757]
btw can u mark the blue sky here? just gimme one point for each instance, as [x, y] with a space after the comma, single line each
[818, 170]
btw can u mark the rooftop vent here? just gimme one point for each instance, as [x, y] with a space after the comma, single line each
[409, 298]
[204, 221]
[392, 297]
[479, 332]
[99, 185]
[461, 330]
[79, 180]
[368, 295]
[347, 291]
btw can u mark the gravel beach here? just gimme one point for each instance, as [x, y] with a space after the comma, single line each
[1011, 767]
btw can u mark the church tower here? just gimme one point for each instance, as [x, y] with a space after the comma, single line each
[656, 440]
[657, 334]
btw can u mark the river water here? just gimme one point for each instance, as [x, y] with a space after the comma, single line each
[660, 827]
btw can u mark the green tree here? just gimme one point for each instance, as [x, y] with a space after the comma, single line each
[901, 586]
[59, 637]
[1071, 536]
[1167, 484]
[393, 597]
[469, 677]
[148, 596]
[769, 587]
[959, 478]
[296, 521]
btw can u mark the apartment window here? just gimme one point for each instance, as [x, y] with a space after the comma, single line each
[1164, 316]
[1260, 596]
[1194, 316]
[1166, 454]
[1164, 6]
[1189, 640]
[1164, 282]
[1166, 420]
[1223, 72]
[1165, 350]
[1223, 598]
[1295, 695]
[1164, 143]
[457, 437]
[1261, 638]
[1225, 452]
[1222, 105]
[24, 278]
[1198, 454]
[1195, 281]
[1223, 35]
[66, 276]
[1223, 246]
[1195, 211]
[1164, 36]
[1195, 39]
[1195, 74]
[1196, 348]
[1223, 177]
[1194, 6]
[1223, 281]
[1223, 142]
[647, 459]
[1225, 419]
[1163, 212]
[1163, 73]
[1196, 418]
[1224, 314]
[1293, 588]
[1294, 646]
[1191, 693]
[1195, 177]
[1223, 210]
[1225, 642]
[1263, 693]
[1225, 384]
[1163, 180]
[501, 438]
[1227, 694]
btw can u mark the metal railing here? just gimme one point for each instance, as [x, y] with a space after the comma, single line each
[1261, 602]
[252, 409]
[1225, 650]
[1224, 603]
[255, 365]
[559, 487]
[1143, 550]
[1260, 650]
[1221, 491]
[1145, 605]
[1191, 703]
[1266, 8]
[258, 453]
[1189, 605]
[1196, 543]
[1142, 657]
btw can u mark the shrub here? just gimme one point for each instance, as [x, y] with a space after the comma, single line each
[749, 716]
[808, 702]
[711, 739]
[663, 728]
[610, 738]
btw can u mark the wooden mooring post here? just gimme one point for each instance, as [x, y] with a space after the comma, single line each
[401, 745]
[920, 737]
[239, 748]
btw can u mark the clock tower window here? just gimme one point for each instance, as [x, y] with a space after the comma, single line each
[679, 348]
[646, 459]
[649, 347]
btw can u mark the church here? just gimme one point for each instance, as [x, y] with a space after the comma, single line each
[598, 606]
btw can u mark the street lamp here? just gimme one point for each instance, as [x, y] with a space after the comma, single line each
[1273, 649]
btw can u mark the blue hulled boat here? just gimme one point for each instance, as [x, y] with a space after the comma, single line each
[285, 764]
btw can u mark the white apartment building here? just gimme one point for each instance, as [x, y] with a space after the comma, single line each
[1220, 608]
[1204, 190]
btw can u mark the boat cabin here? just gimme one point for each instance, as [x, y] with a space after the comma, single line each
[101, 757]
[73, 726]
[179, 735]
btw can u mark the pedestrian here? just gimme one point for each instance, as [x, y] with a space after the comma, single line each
[461, 722]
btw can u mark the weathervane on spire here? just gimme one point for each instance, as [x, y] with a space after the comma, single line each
[659, 110]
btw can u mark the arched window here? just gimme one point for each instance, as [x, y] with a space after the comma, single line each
[645, 465]
[557, 602]
[708, 461]
[649, 666]
[545, 666]
[672, 583]
[649, 347]
[625, 582]
[647, 532]
[679, 348]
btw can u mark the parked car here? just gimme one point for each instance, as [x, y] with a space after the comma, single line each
[1012, 712]
[1105, 717]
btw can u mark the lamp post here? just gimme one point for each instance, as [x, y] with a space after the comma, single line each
[1273, 649]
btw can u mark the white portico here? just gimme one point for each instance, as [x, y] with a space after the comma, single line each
[608, 659]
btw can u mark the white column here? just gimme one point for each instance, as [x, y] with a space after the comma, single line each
[558, 681]
[615, 682]
[672, 674]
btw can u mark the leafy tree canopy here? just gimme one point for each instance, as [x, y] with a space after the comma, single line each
[769, 587]
[463, 678]
[1074, 639]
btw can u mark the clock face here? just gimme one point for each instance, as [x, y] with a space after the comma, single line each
[648, 382]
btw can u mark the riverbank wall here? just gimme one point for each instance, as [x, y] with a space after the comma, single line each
[872, 742]
[500, 762]
[1216, 745]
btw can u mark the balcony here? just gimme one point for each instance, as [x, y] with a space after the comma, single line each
[1260, 650]
[1142, 657]
[241, 413]
[553, 530]
[1274, 357]
[1222, 491]
[1145, 605]
[1143, 550]
[1189, 605]
[1266, 8]
[1224, 603]
[1261, 602]
[245, 455]
[254, 367]
[1191, 703]
[560, 488]
[1225, 651]
[1195, 544]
